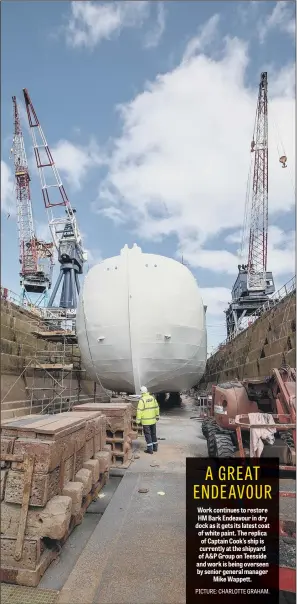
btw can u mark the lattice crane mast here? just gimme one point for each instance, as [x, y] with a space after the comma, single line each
[257, 255]
[254, 284]
[64, 228]
[35, 256]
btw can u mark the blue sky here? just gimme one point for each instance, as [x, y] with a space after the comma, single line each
[148, 109]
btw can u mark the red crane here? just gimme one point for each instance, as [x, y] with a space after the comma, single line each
[35, 256]
[61, 217]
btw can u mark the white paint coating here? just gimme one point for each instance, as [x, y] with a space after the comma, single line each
[141, 321]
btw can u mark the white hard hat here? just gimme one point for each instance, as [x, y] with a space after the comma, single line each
[143, 389]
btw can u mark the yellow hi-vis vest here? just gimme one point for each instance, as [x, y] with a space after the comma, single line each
[147, 410]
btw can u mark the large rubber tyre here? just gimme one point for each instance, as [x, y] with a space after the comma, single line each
[211, 443]
[287, 437]
[223, 446]
[206, 424]
[204, 427]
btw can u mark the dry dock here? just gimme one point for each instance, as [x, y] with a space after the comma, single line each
[131, 546]
[137, 551]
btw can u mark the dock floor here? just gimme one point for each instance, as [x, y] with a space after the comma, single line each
[137, 551]
[131, 546]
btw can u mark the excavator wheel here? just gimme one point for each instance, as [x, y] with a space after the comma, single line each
[287, 437]
[223, 446]
[206, 424]
[211, 443]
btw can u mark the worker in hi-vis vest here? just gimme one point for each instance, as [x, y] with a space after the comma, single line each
[148, 414]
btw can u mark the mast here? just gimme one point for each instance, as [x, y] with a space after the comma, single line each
[257, 255]
[63, 226]
[35, 256]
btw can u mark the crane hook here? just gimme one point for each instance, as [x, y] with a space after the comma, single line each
[283, 160]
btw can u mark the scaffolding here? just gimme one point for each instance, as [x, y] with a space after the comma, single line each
[57, 367]
[53, 374]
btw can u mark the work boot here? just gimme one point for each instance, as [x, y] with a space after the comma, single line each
[150, 451]
[155, 448]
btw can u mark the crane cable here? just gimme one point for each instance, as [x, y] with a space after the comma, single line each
[246, 214]
[279, 144]
[281, 152]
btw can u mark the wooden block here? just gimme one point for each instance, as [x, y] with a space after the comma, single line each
[74, 490]
[103, 430]
[84, 476]
[44, 487]
[97, 442]
[7, 444]
[93, 422]
[3, 483]
[52, 521]
[10, 427]
[104, 460]
[50, 427]
[118, 434]
[89, 449]
[80, 458]
[32, 550]
[27, 577]
[94, 466]
[62, 428]
[68, 470]
[109, 409]
[120, 459]
[115, 445]
[49, 453]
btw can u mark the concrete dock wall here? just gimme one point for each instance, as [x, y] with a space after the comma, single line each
[268, 343]
[20, 382]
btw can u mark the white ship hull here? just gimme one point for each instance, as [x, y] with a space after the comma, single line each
[141, 321]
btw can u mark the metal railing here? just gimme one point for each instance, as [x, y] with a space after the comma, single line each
[274, 300]
[61, 318]
[7, 295]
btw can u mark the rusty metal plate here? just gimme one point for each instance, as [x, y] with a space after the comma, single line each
[16, 594]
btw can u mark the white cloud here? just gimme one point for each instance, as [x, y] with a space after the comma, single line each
[181, 162]
[92, 22]
[94, 256]
[43, 231]
[282, 83]
[281, 254]
[206, 35]
[233, 237]
[74, 161]
[115, 214]
[154, 36]
[216, 299]
[247, 10]
[282, 18]
[8, 200]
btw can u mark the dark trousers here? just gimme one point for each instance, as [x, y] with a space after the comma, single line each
[150, 435]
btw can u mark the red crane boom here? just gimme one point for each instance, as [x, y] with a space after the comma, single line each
[35, 256]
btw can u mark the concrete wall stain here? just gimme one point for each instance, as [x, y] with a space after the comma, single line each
[269, 342]
[19, 346]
